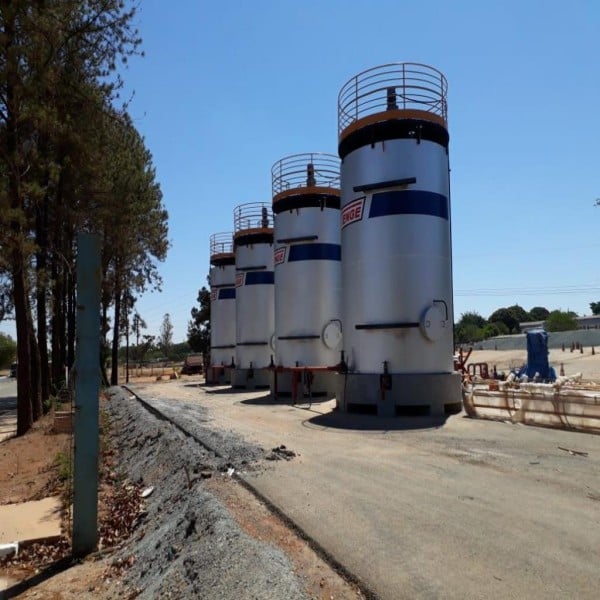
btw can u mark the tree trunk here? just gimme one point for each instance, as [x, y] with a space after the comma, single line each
[19, 262]
[71, 317]
[59, 271]
[36, 388]
[104, 329]
[24, 407]
[57, 370]
[42, 277]
[71, 304]
[114, 375]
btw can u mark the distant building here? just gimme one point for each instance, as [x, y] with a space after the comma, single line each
[590, 322]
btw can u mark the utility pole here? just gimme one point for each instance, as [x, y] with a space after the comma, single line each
[87, 391]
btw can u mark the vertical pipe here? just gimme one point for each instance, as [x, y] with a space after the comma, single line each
[87, 390]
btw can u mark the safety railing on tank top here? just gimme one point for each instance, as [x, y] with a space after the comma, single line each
[310, 169]
[221, 243]
[396, 86]
[253, 215]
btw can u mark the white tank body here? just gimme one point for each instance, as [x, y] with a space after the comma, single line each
[395, 216]
[307, 257]
[222, 299]
[255, 311]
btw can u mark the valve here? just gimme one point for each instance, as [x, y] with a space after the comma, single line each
[308, 378]
[391, 99]
[385, 379]
[310, 175]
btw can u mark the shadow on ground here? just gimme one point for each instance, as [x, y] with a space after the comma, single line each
[45, 574]
[352, 422]
[270, 400]
[227, 390]
[8, 403]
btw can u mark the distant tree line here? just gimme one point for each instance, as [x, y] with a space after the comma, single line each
[472, 327]
[8, 350]
[70, 161]
[153, 353]
[199, 327]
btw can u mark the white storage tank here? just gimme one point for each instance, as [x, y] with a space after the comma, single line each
[222, 307]
[255, 318]
[307, 257]
[396, 243]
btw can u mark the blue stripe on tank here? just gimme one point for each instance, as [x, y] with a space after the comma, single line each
[259, 277]
[409, 202]
[315, 252]
[227, 293]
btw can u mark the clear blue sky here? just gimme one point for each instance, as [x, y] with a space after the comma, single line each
[228, 88]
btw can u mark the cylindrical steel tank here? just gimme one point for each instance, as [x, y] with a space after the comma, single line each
[222, 299]
[306, 202]
[396, 245]
[306, 208]
[255, 318]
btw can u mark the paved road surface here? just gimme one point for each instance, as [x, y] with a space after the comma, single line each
[470, 509]
[8, 407]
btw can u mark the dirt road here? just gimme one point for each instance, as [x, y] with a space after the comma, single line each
[469, 509]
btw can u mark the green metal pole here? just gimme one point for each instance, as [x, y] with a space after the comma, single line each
[87, 391]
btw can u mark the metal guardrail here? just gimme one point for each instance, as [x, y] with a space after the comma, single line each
[253, 215]
[395, 86]
[310, 169]
[221, 243]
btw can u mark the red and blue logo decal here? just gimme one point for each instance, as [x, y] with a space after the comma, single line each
[353, 211]
[279, 255]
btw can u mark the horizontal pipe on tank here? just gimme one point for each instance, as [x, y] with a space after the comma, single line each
[252, 344]
[299, 337]
[222, 347]
[221, 285]
[304, 238]
[403, 325]
[384, 184]
[255, 268]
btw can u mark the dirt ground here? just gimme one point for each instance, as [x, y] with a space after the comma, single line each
[27, 464]
[29, 470]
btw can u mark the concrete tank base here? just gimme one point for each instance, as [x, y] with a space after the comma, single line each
[323, 386]
[218, 375]
[244, 379]
[421, 394]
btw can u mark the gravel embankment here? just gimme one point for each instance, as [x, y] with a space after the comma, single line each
[187, 545]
